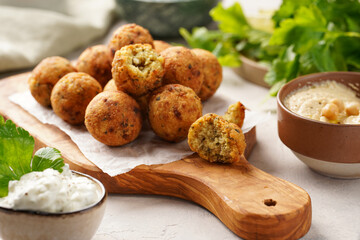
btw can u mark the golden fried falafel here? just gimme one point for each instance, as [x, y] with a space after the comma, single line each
[212, 73]
[235, 114]
[216, 140]
[71, 95]
[172, 109]
[113, 118]
[96, 61]
[143, 101]
[129, 34]
[110, 86]
[160, 46]
[137, 69]
[183, 67]
[45, 75]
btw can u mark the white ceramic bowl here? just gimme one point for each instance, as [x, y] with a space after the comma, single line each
[32, 225]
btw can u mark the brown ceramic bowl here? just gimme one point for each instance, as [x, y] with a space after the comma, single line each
[33, 225]
[330, 149]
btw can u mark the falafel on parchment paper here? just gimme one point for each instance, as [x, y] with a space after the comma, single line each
[129, 34]
[172, 109]
[212, 73]
[96, 61]
[147, 149]
[143, 101]
[113, 118]
[110, 86]
[45, 75]
[160, 45]
[71, 95]
[183, 67]
[137, 69]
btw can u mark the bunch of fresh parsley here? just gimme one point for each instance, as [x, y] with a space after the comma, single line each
[16, 155]
[309, 36]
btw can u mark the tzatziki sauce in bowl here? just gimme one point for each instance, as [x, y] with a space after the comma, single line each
[52, 205]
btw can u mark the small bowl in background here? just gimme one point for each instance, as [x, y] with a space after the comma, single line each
[330, 149]
[163, 18]
[33, 225]
[252, 71]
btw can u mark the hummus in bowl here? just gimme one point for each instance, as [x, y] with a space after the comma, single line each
[320, 141]
[327, 101]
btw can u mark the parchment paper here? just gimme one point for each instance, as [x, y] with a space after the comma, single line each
[146, 149]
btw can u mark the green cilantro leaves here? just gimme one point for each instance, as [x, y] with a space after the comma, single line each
[309, 36]
[16, 150]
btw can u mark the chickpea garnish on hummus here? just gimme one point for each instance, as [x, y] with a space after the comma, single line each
[328, 101]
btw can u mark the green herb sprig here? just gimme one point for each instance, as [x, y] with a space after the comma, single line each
[16, 155]
[309, 36]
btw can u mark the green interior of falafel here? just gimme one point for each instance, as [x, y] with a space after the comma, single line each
[213, 142]
[144, 61]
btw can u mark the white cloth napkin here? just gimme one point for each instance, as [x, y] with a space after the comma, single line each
[33, 30]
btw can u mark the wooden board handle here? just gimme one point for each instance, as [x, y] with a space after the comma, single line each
[250, 202]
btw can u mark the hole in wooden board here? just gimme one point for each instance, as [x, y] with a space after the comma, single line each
[269, 202]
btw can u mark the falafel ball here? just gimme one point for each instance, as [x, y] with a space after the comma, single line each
[137, 69]
[216, 140]
[110, 86]
[45, 75]
[96, 61]
[113, 118]
[160, 46]
[235, 114]
[71, 95]
[183, 67]
[129, 34]
[172, 109]
[143, 101]
[212, 73]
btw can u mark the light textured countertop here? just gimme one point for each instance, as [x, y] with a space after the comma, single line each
[335, 202]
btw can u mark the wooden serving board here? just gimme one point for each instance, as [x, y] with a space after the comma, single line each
[250, 202]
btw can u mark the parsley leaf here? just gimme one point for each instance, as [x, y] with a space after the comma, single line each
[323, 41]
[47, 157]
[287, 10]
[235, 36]
[16, 149]
[231, 20]
[286, 66]
[6, 175]
[309, 36]
[222, 45]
